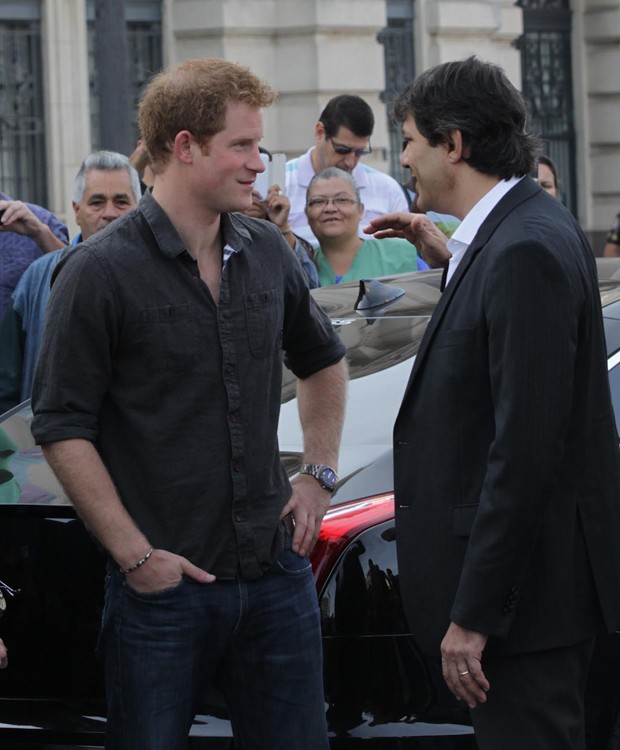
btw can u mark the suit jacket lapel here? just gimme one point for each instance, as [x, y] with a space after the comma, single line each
[522, 191]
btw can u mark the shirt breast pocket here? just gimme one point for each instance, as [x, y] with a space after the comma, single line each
[263, 317]
[169, 337]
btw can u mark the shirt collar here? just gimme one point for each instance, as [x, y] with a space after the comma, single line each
[464, 234]
[305, 172]
[468, 228]
[234, 234]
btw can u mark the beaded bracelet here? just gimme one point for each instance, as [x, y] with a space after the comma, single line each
[135, 566]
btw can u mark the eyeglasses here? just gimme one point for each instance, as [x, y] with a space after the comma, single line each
[343, 150]
[340, 201]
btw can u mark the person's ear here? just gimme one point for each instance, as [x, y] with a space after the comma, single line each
[182, 146]
[455, 147]
[76, 212]
[319, 132]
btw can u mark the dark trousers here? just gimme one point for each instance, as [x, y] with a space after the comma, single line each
[536, 700]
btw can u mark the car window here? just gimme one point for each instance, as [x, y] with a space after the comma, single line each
[614, 384]
[612, 333]
[25, 477]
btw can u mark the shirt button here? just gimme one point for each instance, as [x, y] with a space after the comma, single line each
[233, 418]
[239, 517]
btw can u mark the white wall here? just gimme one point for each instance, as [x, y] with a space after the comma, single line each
[66, 100]
[600, 111]
[308, 50]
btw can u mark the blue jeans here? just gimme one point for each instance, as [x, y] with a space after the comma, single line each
[258, 641]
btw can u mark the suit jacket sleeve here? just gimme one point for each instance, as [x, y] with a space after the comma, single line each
[533, 308]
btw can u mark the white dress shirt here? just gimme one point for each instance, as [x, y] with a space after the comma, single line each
[468, 228]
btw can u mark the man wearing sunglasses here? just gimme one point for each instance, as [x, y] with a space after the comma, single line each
[342, 137]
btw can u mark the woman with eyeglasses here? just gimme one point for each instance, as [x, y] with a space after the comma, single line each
[334, 210]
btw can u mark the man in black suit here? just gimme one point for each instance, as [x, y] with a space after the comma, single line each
[505, 449]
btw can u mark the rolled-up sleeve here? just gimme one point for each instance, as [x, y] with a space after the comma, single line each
[308, 338]
[75, 364]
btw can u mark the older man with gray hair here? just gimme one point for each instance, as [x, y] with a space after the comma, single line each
[105, 187]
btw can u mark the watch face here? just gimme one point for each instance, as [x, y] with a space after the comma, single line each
[328, 478]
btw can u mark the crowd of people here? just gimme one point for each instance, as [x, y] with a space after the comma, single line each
[106, 187]
[325, 234]
[169, 316]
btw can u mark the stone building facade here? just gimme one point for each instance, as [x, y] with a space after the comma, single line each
[310, 50]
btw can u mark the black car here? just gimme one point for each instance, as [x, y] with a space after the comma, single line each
[379, 689]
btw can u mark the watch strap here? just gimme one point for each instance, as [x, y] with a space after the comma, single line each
[317, 471]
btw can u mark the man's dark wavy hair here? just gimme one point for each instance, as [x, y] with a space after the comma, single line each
[476, 98]
[349, 111]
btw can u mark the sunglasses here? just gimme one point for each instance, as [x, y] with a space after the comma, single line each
[343, 150]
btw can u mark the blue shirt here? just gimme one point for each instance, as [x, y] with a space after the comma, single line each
[17, 251]
[21, 328]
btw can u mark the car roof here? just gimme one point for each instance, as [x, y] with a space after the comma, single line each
[382, 336]
[421, 290]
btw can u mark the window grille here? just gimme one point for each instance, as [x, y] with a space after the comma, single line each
[22, 125]
[547, 84]
[144, 52]
[398, 45]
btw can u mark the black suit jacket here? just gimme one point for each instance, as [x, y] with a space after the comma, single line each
[505, 448]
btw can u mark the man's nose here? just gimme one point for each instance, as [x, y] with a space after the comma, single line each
[111, 211]
[330, 205]
[351, 161]
[256, 164]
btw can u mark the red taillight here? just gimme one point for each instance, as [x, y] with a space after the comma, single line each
[341, 524]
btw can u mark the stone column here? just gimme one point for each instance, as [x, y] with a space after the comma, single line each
[112, 65]
[67, 111]
[454, 29]
[600, 102]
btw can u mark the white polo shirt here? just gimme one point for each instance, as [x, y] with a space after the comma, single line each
[380, 194]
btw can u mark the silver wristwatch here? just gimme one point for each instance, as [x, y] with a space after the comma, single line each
[324, 475]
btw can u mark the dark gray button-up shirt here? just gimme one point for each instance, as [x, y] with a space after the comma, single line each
[181, 396]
